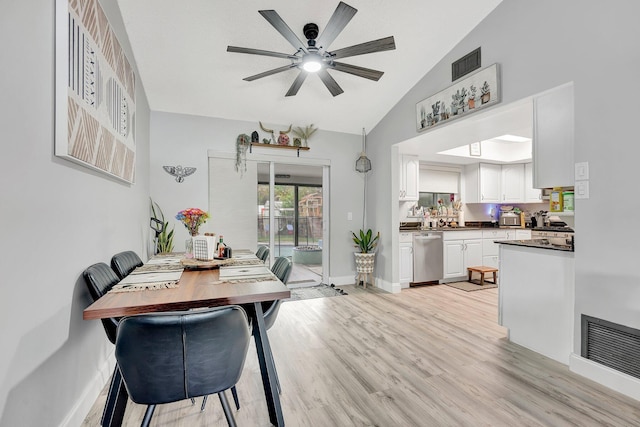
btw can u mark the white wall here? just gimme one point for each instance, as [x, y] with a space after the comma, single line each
[185, 139]
[540, 45]
[57, 219]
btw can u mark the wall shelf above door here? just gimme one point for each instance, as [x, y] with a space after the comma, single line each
[286, 147]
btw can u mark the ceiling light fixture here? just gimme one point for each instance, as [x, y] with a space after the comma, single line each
[312, 62]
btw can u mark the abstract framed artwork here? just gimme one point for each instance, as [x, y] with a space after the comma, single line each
[95, 92]
[473, 93]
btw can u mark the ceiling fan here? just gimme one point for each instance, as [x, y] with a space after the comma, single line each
[314, 56]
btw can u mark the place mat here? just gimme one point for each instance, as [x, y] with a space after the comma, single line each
[264, 278]
[244, 272]
[156, 267]
[246, 261]
[469, 287]
[152, 277]
[144, 286]
[193, 263]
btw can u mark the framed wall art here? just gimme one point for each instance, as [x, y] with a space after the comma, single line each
[466, 96]
[95, 92]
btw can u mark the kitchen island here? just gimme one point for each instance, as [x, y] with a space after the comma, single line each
[536, 296]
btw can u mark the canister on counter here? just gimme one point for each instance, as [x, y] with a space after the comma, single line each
[555, 200]
[567, 201]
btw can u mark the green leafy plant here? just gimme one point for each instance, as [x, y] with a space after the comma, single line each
[304, 133]
[164, 237]
[366, 241]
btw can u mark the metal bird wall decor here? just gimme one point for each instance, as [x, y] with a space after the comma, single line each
[179, 172]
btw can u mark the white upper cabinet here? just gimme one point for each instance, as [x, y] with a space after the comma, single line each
[483, 183]
[531, 194]
[553, 138]
[513, 183]
[409, 177]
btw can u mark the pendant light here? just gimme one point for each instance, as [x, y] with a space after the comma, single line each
[363, 164]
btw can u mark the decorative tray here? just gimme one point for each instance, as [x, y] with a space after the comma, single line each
[195, 264]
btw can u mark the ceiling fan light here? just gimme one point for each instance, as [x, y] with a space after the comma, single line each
[312, 63]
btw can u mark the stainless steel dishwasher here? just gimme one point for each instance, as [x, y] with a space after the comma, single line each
[427, 256]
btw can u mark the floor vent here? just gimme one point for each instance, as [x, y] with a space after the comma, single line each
[612, 345]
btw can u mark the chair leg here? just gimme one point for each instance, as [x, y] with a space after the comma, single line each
[234, 393]
[227, 410]
[204, 402]
[147, 415]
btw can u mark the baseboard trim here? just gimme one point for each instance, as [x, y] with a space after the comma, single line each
[622, 383]
[79, 411]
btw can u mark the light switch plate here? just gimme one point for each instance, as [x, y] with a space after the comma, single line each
[581, 190]
[582, 171]
[349, 216]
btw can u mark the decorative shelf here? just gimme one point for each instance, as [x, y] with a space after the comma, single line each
[286, 147]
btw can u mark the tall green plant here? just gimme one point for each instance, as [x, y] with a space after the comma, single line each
[164, 238]
[366, 241]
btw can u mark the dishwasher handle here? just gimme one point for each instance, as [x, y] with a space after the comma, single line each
[427, 237]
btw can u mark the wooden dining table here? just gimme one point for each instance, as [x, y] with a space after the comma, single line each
[196, 289]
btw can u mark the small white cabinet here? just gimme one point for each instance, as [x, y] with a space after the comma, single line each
[461, 249]
[553, 138]
[531, 194]
[490, 249]
[483, 183]
[513, 183]
[409, 177]
[406, 259]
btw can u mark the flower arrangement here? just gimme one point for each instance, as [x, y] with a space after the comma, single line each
[192, 219]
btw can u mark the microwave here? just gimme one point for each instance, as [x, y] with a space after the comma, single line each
[509, 219]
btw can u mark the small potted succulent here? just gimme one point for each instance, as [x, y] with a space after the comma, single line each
[485, 94]
[472, 96]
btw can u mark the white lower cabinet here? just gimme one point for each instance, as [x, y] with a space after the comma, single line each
[406, 259]
[461, 249]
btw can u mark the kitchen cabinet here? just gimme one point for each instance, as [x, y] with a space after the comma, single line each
[553, 138]
[512, 183]
[461, 249]
[531, 194]
[409, 177]
[406, 259]
[490, 249]
[483, 183]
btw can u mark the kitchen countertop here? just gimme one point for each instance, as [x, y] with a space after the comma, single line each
[537, 243]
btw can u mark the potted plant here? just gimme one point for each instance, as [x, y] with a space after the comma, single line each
[365, 259]
[304, 133]
[485, 93]
[163, 240]
[472, 97]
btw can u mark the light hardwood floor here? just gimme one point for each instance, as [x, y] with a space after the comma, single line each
[429, 356]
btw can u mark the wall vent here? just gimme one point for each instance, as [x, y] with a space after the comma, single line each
[463, 66]
[612, 345]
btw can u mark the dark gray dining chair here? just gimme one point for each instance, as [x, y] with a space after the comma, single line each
[282, 269]
[125, 262]
[167, 357]
[263, 253]
[100, 278]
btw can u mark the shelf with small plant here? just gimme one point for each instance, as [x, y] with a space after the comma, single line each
[286, 147]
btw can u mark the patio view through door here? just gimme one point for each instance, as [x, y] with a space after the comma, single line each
[297, 228]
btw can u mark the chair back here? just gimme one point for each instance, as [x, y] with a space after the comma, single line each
[282, 269]
[263, 253]
[166, 357]
[125, 262]
[100, 278]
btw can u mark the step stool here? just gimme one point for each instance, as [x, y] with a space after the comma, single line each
[482, 270]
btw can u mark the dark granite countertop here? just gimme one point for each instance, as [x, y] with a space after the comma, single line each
[537, 243]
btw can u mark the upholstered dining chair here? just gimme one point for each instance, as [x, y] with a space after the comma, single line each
[100, 278]
[263, 253]
[167, 357]
[282, 269]
[125, 262]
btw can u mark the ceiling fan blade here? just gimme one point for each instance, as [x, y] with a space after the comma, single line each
[367, 73]
[329, 82]
[276, 21]
[251, 51]
[336, 24]
[379, 45]
[295, 86]
[268, 73]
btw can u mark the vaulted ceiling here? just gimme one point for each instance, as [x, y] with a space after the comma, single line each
[181, 52]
